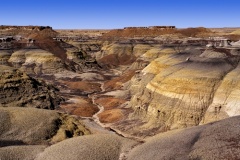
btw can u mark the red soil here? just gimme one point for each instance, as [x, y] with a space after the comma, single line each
[111, 116]
[109, 102]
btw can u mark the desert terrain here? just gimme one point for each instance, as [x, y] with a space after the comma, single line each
[157, 92]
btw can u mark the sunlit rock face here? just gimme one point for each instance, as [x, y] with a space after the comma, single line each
[179, 90]
[36, 61]
[18, 89]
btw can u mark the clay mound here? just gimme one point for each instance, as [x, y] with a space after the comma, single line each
[19, 90]
[18, 57]
[218, 140]
[213, 53]
[93, 147]
[36, 61]
[23, 126]
[20, 152]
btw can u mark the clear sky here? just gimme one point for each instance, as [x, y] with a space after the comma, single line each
[109, 14]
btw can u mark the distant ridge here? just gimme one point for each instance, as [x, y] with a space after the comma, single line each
[154, 31]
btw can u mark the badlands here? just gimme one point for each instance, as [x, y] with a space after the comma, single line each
[158, 92]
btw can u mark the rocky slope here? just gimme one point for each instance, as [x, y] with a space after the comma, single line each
[18, 89]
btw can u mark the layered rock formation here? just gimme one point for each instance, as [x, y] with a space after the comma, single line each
[18, 89]
[122, 53]
[225, 102]
[176, 89]
[36, 61]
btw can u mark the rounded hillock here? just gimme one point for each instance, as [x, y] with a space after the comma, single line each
[92, 147]
[218, 140]
[31, 126]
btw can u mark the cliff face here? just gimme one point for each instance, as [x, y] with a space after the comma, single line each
[179, 90]
[226, 100]
[18, 89]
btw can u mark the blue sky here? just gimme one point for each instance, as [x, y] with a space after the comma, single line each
[109, 14]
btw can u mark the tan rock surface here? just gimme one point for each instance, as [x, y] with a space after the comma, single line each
[35, 126]
[173, 92]
[226, 99]
[37, 61]
[21, 152]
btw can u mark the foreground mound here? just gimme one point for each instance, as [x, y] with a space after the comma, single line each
[19, 90]
[218, 140]
[93, 147]
[24, 126]
[21, 152]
